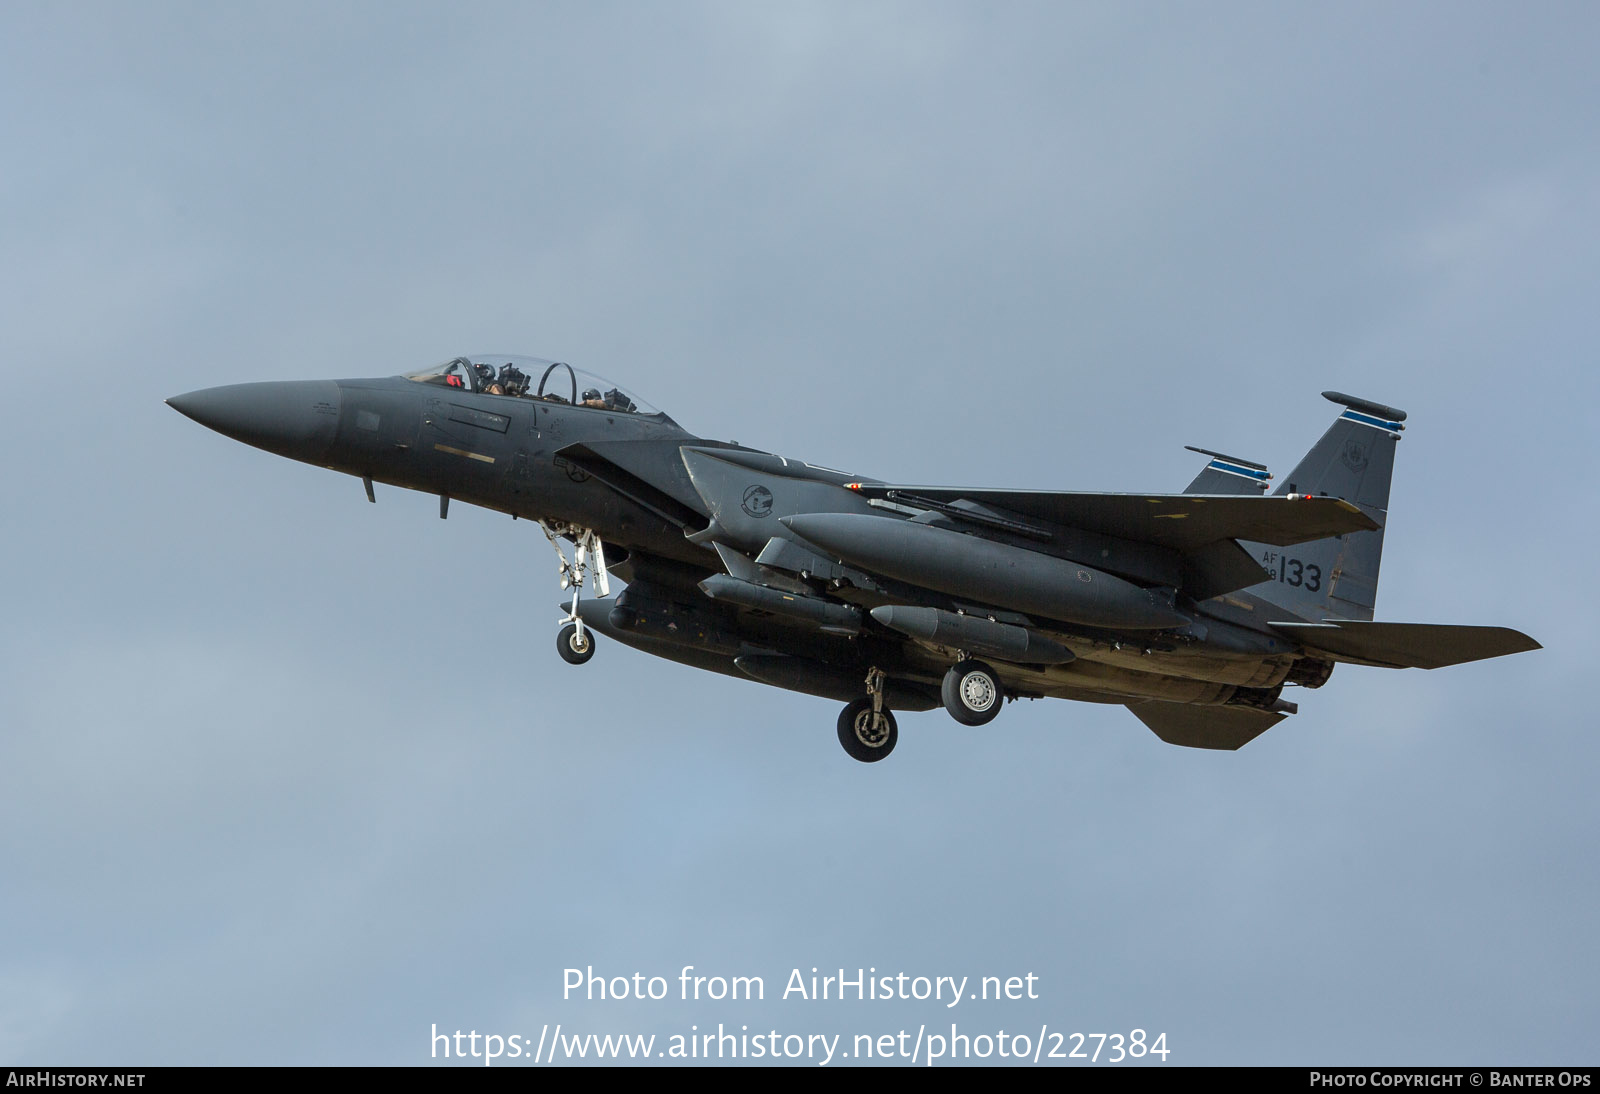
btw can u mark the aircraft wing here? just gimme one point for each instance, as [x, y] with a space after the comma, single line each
[1183, 522]
[1405, 645]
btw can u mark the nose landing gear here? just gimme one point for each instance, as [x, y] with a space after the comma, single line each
[573, 641]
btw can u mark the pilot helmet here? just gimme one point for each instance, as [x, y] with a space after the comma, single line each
[592, 393]
[485, 373]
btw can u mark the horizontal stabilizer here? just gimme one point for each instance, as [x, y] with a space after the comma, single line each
[1225, 728]
[1406, 645]
[1183, 522]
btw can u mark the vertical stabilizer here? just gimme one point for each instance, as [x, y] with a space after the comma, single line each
[1354, 460]
[1228, 475]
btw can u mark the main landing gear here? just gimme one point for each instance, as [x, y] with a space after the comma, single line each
[971, 693]
[867, 728]
[574, 641]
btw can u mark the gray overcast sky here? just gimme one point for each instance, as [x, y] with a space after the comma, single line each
[278, 785]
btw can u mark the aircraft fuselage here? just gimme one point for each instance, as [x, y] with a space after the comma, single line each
[802, 577]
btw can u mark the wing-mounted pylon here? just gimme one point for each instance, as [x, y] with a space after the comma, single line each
[748, 585]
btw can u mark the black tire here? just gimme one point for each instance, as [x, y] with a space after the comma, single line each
[572, 651]
[855, 732]
[972, 694]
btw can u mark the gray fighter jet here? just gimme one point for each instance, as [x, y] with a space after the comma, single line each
[1193, 610]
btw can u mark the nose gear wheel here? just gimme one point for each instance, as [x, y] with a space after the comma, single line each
[574, 641]
[575, 648]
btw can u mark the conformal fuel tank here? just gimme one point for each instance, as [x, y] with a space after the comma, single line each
[987, 572]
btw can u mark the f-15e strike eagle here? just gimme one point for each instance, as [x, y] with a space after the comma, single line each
[1193, 610]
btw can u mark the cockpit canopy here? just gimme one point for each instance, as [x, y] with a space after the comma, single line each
[517, 376]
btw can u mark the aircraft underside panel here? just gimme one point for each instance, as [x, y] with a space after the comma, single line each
[595, 615]
[1264, 672]
[760, 665]
[1084, 675]
[1131, 664]
[831, 682]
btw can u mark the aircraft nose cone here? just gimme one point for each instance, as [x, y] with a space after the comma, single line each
[294, 418]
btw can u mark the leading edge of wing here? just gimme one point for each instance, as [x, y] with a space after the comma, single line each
[1184, 522]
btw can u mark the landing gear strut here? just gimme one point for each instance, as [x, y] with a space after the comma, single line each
[971, 693]
[867, 728]
[574, 641]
